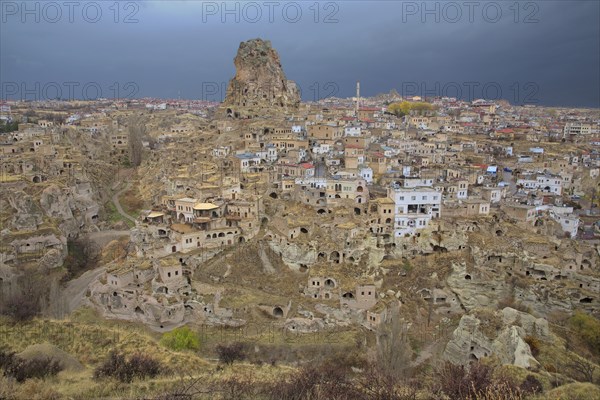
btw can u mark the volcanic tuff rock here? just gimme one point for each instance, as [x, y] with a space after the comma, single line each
[259, 82]
[501, 334]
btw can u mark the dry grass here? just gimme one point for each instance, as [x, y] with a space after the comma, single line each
[33, 389]
[518, 375]
[132, 202]
[572, 391]
[90, 341]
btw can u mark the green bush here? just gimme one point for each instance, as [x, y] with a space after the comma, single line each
[9, 127]
[181, 339]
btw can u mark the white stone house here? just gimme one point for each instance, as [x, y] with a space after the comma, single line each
[414, 208]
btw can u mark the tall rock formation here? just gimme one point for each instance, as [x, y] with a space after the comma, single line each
[259, 84]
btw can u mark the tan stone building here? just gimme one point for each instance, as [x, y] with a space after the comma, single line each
[325, 132]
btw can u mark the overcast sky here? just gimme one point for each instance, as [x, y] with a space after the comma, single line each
[541, 52]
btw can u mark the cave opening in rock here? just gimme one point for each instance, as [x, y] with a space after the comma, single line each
[277, 312]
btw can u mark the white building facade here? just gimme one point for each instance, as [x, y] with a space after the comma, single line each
[414, 208]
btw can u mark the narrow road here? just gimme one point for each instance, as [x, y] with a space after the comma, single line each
[72, 295]
[115, 200]
[508, 177]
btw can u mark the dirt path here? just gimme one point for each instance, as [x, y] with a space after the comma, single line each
[72, 295]
[268, 267]
[115, 200]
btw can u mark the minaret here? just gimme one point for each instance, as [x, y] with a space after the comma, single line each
[357, 99]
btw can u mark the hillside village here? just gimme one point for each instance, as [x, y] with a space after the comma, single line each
[311, 216]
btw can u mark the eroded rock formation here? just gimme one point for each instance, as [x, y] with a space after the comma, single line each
[259, 82]
[500, 333]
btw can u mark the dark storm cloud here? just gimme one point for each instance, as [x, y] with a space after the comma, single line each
[184, 48]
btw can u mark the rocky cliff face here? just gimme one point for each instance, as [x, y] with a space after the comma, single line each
[500, 333]
[37, 225]
[259, 82]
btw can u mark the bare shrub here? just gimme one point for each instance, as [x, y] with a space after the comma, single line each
[114, 366]
[22, 307]
[477, 381]
[581, 369]
[6, 357]
[531, 385]
[185, 389]
[230, 353]
[377, 384]
[139, 366]
[236, 388]
[25, 302]
[143, 366]
[534, 345]
[21, 370]
[316, 383]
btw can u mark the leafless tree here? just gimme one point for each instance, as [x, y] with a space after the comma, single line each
[376, 384]
[582, 368]
[236, 388]
[137, 131]
[25, 301]
[187, 388]
[393, 350]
